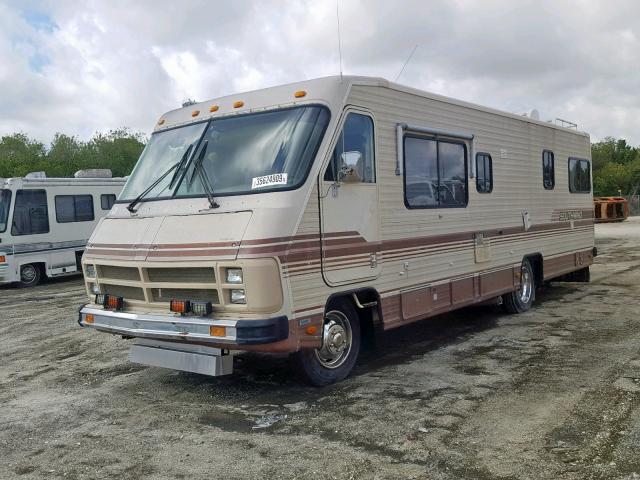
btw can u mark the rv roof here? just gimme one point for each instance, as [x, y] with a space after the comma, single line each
[328, 90]
[45, 182]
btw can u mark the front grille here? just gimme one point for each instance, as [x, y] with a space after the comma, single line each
[126, 292]
[119, 273]
[168, 294]
[148, 285]
[182, 275]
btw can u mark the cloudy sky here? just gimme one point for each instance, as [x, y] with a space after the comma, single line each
[82, 67]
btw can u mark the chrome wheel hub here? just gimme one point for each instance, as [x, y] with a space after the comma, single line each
[336, 340]
[526, 286]
[28, 273]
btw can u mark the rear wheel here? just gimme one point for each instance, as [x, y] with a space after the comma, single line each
[522, 299]
[336, 357]
[30, 275]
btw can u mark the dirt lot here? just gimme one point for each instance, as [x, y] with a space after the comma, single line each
[551, 394]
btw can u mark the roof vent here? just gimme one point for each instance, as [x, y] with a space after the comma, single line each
[36, 175]
[94, 173]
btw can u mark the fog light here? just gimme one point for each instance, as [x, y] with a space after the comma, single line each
[180, 306]
[201, 308]
[238, 296]
[234, 275]
[90, 271]
[95, 288]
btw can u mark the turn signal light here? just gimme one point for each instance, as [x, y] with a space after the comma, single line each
[114, 303]
[180, 306]
[88, 318]
[216, 331]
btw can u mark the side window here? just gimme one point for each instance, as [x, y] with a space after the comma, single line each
[30, 213]
[356, 136]
[579, 175]
[107, 201]
[548, 170]
[435, 174]
[484, 173]
[74, 208]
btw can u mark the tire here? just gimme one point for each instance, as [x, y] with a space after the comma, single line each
[332, 363]
[521, 300]
[30, 275]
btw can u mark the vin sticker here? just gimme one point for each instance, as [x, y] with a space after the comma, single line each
[269, 180]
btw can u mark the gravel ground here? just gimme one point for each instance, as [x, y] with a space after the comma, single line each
[550, 394]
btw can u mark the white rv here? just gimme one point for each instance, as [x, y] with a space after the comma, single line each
[294, 218]
[45, 223]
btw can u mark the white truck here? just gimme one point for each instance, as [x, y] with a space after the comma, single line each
[45, 223]
[292, 219]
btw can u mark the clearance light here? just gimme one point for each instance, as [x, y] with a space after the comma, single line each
[201, 308]
[3, 259]
[180, 306]
[300, 94]
[214, 108]
[238, 104]
[195, 113]
[161, 121]
[234, 275]
[311, 330]
[238, 296]
[88, 318]
[114, 303]
[215, 331]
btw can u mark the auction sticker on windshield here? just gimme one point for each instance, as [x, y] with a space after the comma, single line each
[269, 180]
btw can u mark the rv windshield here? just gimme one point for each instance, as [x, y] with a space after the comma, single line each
[5, 203]
[251, 153]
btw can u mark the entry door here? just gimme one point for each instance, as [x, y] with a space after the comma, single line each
[349, 205]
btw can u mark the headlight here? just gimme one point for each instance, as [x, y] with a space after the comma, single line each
[90, 271]
[238, 296]
[234, 275]
[94, 288]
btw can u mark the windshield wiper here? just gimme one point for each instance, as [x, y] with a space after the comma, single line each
[202, 174]
[177, 165]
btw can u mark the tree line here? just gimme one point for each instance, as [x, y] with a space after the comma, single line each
[616, 164]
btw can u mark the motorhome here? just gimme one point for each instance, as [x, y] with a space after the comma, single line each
[45, 222]
[296, 218]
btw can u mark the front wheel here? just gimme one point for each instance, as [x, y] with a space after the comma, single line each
[30, 275]
[521, 300]
[336, 357]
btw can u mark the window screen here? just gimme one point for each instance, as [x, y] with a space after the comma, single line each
[548, 170]
[357, 135]
[435, 174]
[107, 201]
[30, 213]
[484, 173]
[74, 208]
[579, 175]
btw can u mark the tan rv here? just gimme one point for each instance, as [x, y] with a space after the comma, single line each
[292, 219]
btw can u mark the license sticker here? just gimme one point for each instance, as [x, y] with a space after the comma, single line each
[269, 180]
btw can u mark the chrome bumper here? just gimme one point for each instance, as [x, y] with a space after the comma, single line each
[186, 329]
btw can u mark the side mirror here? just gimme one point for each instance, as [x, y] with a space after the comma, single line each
[351, 167]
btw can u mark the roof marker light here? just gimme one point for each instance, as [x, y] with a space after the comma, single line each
[300, 94]
[238, 104]
[161, 121]
[214, 108]
[195, 113]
